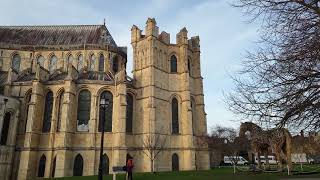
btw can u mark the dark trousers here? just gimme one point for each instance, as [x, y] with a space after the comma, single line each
[130, 175]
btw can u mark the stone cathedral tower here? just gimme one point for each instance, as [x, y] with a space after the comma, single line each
[54, 77]
[165, 73]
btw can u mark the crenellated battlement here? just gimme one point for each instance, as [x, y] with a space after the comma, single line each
[151, 29]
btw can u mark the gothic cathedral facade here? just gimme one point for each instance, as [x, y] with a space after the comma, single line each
[53, 79]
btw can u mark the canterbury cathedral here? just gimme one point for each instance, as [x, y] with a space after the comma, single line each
[52, 80]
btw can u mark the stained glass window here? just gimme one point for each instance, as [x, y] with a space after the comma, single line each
[84, 106]
[105, 164]
[173, 63]
[60, 106]
[69, 60]
[47, 112]
[175, 116]
[108, 112]
[92, 62]
[40, 60]
[53, 64]
[175, 162]
[80, 62]
[129, 113]
[101, 63]
[16, 60]
[115, 65]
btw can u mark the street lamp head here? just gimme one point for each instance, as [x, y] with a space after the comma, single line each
[104, 102]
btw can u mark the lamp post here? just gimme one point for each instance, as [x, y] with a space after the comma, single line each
[104, 103]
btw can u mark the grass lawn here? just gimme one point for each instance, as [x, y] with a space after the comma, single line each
[214, 174]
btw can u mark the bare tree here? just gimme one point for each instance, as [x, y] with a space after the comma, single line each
[280, 80]
[153, 144]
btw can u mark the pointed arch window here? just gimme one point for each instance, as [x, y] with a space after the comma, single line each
[42, 166]
[5, 128]
[175, 162]
[47, 112]
[105, 165]
[108, 113]
[28, 101]
[69, 60]
[60, 106]
[101, 63]
[78, 166]
[84, 107]
[16, 60]
[129, 113]
[80, 62]
[53, 63]
[92, 62]
[54, 163]
[173, 64]
[175, 116]
[193, 111]
[40, 60]
[189, 67]
[115, 64]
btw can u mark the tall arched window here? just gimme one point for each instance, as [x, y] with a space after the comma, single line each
[69, 59]
[16, 60]
[54, 163]
[42, 166]
[175, 116]
[173, 64]
[84, 106]
[129, 113]
[105, 164]
[60, 106]
[108, 113]
[47, 112]
[175, 162]
[78, 166]
[80, 62]
[53, 63]
[5, 129]
[193, 109]
[28, 101]
[101, 62]
[115, 64]
[41, 60]
[189, 66]
[92, 62]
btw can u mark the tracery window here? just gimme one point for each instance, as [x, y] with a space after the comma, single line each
[41, 60]
[92, 61]
[69, 59]
[129, 113]
[42, 166]
[60, 106]
[101, 62]
[53, 63]
[47, 112]
[80, 62]
[84, 107]
[78, 166]
[16, 60]
[5, 128]
[173, 64]
[108, 112]
[115, 65]
[175, 116]
[175, 162]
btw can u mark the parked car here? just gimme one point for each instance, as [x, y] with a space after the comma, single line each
[238, 160]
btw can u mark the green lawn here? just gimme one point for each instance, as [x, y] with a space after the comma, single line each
[214, 174]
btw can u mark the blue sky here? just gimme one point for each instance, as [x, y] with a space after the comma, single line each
[224, 32]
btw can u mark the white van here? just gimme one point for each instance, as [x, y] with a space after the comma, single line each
[232, 159]
[301, 158]
[272, 160]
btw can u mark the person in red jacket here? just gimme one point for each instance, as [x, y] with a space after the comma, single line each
[129, 168]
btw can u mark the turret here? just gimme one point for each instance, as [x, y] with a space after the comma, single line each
[182, 37]
[151, 28]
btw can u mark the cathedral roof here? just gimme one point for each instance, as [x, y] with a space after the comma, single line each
[56, 35]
